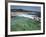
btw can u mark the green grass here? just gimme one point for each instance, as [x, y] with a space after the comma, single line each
[24, 24]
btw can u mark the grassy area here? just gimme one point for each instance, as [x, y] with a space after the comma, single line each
[24, 24]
